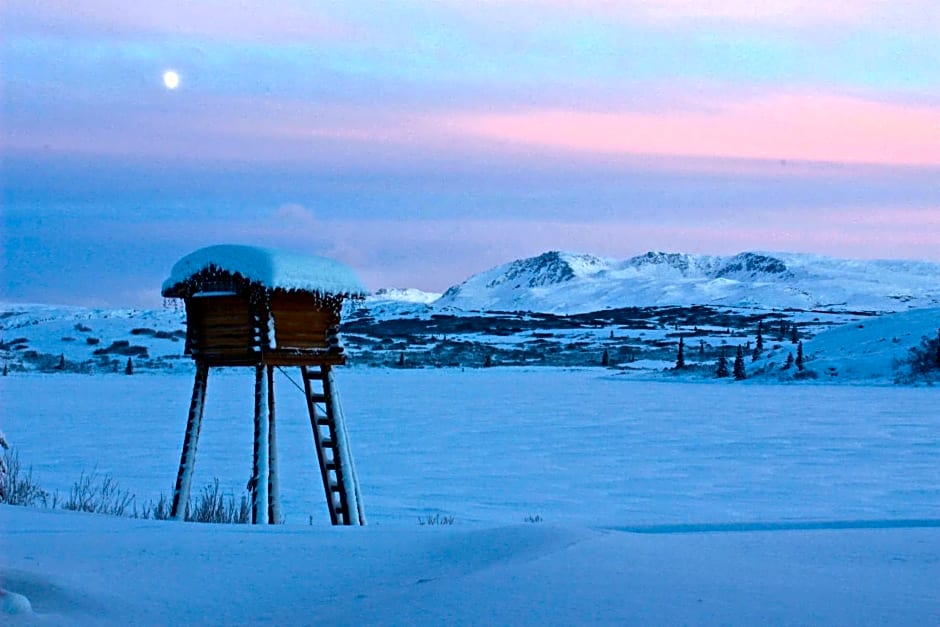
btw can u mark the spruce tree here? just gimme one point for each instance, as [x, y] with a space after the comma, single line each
[789, 363]
[605, 359]
[680, 355]
[794, 334]
[6, 370]
[488, 361]
[129, 368]
[401, 359]
[722, 370]
[61, 365]
[759, 344]
[701, 348]
[937, 356]
[924, 359]
[739, 372]
[799, 356]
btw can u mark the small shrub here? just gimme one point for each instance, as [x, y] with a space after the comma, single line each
[99, 496]
[435, 519]
[16, 484]
[533, 519]
[158, 511]
[212, 506]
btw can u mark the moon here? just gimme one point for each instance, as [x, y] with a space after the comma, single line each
[171, 79]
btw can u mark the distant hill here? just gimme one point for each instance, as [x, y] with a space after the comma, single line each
[564, 282]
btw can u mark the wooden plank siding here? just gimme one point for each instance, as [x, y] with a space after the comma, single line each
[233, 329]
[302, 322]
[223, 330]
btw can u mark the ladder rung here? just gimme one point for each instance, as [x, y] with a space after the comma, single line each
[335, 487]
[326, 443]
[314, 374]
[318, 398]
[323, 422]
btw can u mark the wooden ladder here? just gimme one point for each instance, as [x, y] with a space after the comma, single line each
[321, 404]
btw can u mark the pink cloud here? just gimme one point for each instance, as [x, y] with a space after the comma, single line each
[716, 136]
[811, 127]
[194, 127]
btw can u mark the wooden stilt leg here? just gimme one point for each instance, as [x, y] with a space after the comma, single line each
[188, 457]
[259, 474]
[274, 497]
[351, 497]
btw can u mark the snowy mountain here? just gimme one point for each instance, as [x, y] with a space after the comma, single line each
[402, 295]
[563, 282]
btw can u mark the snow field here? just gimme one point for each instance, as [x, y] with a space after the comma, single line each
[495, 446]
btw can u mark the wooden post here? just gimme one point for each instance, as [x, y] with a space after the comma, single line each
[352, 497]
[188, 458]
[274, 496]
[259, 474]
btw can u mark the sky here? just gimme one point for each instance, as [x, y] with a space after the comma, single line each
[422, 142]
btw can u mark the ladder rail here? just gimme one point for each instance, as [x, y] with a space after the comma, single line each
[328, 455]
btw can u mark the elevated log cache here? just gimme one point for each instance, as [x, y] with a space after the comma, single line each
[263, 308]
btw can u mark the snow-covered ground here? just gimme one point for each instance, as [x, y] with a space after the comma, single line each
[662, 503]
[90, 570]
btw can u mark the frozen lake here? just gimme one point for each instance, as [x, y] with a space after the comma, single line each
[495, 446]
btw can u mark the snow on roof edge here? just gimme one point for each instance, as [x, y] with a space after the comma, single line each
[272, 268]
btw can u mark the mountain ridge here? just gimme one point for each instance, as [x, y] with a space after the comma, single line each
[566, 282]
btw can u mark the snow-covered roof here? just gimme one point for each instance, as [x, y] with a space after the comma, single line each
[272, 268]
